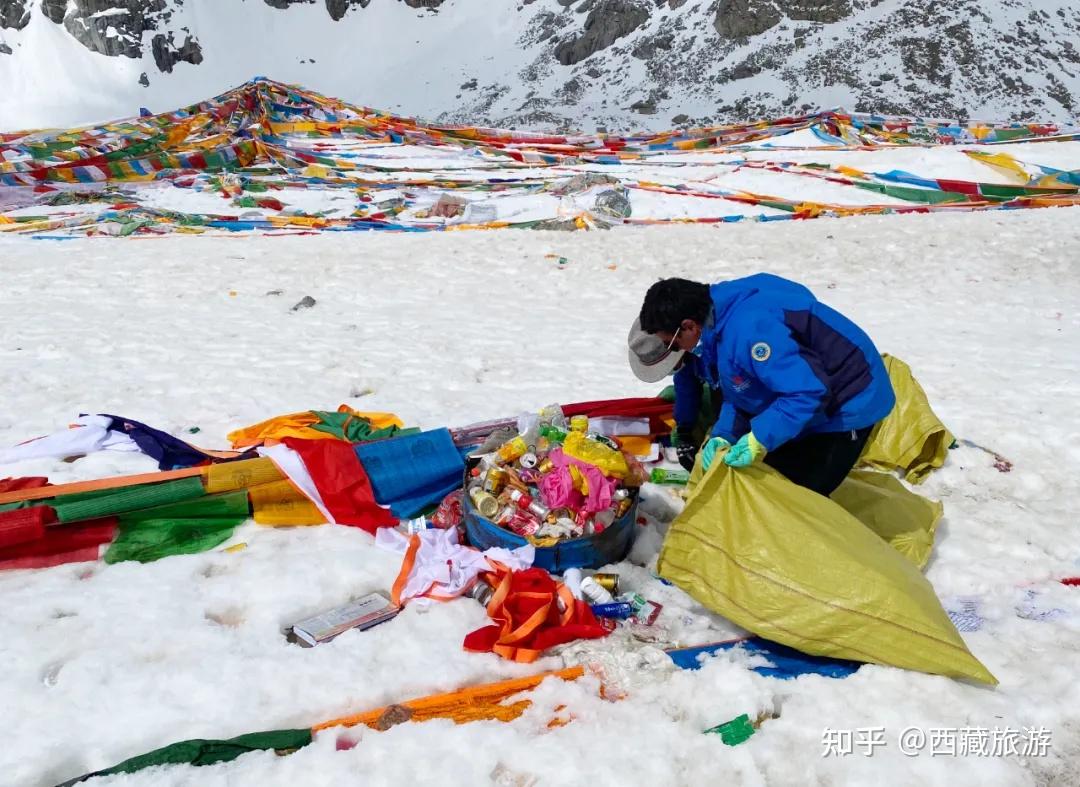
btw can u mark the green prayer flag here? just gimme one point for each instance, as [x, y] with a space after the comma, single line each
[129, 499]
[147, 540]
[354, 429]
[206, 752]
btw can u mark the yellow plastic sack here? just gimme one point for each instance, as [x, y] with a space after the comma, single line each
[796, 568]
[911, 438]
[611, 462]
[281, 504]
[905, 520]
[230, 476]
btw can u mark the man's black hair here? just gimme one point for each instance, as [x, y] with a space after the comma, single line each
[670, 301]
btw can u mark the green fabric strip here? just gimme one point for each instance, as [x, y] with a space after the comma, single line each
[78, 497]
[130, 499]
[225, 505]
[207, 752]
[147, 540]
[1006, 191]
[353, 429]
[912, 194]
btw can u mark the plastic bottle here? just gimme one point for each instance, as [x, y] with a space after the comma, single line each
[579, 423]
[512, 449]
[603, 520]
[552, 415]
[572, 578]
[528, 423]
[527, 502]
[663, 476]
[552, 434]
[618, 610]
[594, 593]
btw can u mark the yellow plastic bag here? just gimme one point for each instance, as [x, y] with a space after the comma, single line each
[611, 462]
[905, 520]
[281, 504]
[796, 568]
[911, 438]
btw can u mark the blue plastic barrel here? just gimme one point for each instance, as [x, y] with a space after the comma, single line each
[610, 546]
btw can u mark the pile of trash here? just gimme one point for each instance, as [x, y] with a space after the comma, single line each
[554, 480]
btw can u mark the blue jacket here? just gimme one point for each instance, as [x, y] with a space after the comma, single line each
[788, 365]
[687, 382]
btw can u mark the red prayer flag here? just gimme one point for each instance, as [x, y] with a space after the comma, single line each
[528, 621]
[342, 483]
[26, 482]
[61, 544]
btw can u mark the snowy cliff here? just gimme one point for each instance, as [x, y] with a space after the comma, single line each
[550, 63]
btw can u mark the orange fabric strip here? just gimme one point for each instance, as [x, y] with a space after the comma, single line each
[406, 569]
[464, 705]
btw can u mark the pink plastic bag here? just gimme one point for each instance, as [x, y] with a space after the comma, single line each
[600, 487]
[557, 489]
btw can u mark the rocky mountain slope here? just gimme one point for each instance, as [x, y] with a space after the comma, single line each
[551, 63]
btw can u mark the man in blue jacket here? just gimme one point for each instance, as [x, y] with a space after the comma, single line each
[803, 386]
[697, 405]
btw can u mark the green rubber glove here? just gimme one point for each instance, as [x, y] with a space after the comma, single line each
[745, 452]
[708, 451]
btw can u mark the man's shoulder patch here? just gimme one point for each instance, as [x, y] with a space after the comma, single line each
[760, 351]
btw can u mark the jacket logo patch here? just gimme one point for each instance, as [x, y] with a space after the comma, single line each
[760, 351]
[740, 383]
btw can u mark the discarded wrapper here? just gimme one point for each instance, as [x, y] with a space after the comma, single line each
[363, 613]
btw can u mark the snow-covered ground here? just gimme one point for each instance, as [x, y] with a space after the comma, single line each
[102, 662]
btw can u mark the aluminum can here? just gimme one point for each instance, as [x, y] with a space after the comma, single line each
[495, 480]
[481, 591]
[485, 502]
[609, 582]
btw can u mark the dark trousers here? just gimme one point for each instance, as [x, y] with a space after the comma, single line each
[819, 461]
